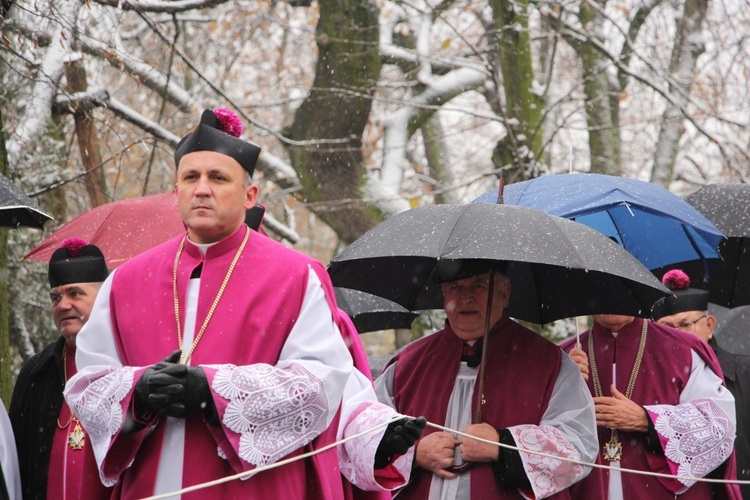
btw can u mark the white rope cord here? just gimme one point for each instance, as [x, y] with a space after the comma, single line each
[588, 464]
[248, 474]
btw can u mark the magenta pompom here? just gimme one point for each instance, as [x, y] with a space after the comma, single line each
[228, 122]
[676, 279]
[74, 246]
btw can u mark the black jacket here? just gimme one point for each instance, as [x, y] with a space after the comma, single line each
[34, 408]
[736, 368]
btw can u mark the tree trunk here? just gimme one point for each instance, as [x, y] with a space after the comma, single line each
[523, 106]
[435, 151]
[6, 386]
[688, 46]
[88, 144]
[337, 108]
[604, 135]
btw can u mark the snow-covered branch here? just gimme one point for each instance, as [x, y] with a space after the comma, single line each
[146, 74]
[401, 125]
[280, 229]
[160, 6]
[39, 107]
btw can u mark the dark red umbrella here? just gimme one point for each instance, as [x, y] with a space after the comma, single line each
[123, 229]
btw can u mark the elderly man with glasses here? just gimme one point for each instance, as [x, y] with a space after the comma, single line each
[687, 310]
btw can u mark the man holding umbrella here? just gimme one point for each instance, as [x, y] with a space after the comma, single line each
[534, 397]
[661, 406]
[687, 310]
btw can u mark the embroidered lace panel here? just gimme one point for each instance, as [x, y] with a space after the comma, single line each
[700, 436]
[274, 411]
[547, 475]
[356, 457]
[96, 398]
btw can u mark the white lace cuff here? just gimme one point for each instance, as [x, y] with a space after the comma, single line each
[357, 457]
[95, 396]
[699, 437]
[547, 475]
[273, 411]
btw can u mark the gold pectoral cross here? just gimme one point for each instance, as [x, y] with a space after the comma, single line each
[613, 448]
[77, 438]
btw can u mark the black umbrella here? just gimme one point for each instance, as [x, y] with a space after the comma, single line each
[731, 328]
[558, 268]
[728, 278]
[17, 209]
[370, 312]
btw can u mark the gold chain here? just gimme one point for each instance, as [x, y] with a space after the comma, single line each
[65, 374]
[186, 356]
[613, 449]
[77, 436]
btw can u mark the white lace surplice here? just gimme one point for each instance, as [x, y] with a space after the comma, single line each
[361, 411]
[567, 429]
[314, 351]
[700, 431]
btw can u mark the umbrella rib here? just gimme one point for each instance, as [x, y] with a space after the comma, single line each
[695, 245]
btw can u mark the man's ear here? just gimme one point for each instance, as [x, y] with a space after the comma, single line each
[251, 195]
[710, 323]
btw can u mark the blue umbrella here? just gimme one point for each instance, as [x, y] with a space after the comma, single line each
[657, 227]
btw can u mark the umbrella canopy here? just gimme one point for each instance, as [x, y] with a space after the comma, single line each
[17, 209]
[731, 328]
[123, 229]
[728, 278]
[370, 313]
[558, 268]
[654, 225]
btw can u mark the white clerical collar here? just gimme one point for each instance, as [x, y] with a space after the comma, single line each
[204, 246]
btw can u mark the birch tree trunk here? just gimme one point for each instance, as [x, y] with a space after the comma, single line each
[687, 47]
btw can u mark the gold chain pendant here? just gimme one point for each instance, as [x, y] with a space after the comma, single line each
[613, 448]
[76, 438]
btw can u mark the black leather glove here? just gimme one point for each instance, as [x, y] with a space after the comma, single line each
[399, 436]
[145, 386]
[179, 389]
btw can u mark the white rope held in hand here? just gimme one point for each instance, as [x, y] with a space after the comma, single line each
[248, 474]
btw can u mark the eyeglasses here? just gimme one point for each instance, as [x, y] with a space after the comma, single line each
[688, 325]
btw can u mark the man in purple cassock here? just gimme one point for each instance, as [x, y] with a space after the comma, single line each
[687, 310]
[533, 398]
[661, 406]
[55, 458]
[260, 366]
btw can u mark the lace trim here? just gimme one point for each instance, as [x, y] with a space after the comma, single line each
[700, 436]
[274, 411]
[547, 475]
[96, 399]
[356, 457]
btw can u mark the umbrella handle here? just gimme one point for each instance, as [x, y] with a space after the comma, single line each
[460, 468]
[485, 342]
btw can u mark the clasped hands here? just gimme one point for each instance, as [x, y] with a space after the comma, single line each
[172, 389]
[616, 412]
[436, 451]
